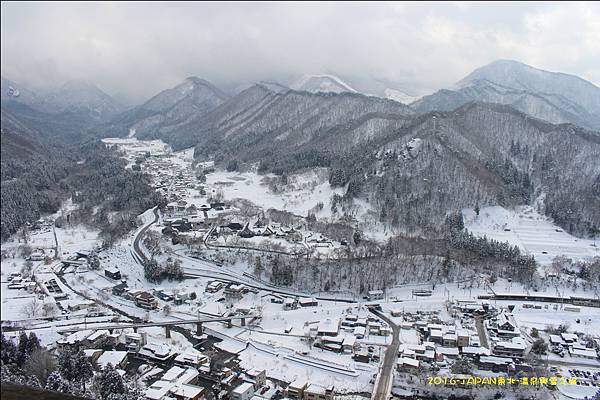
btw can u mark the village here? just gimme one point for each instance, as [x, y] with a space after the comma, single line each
[221, 332]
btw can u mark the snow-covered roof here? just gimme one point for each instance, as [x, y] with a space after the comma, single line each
[569, 337]
[111, 357]
[449, 351]
[589, 353]
[495, 360]
[298, 385]
[475, 350]
[187, 391]
[76, 337]
[158, 390]
[98, 334]
[408, 361]
[243, 388]
[328, 326]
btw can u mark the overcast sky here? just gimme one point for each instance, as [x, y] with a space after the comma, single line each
[137, 49]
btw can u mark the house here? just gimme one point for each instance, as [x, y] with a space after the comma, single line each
[495, 364]
[214, 286]
[514, 348]
[177, 383]
[447, 352]
[296, 389]
[328, 327]
[243, 392]
[78, 305]
[349, 344]
[191, 358]
[258, 377]
[506, 322]
[308, 302]
[569, 338]
[406, 364]
[146, 300]
[93, 354]
[332, 343]
[117, 359]
[580, 351]
[362, 355]
[449, 340]
[316, 392]
[235, 291]
[97, 339]
[246, 232]
[462, 337]
[471, 351]
[505, 325]
[396, 312]
[119, 289]
[360, 332]
[156, 352]
[112, 273]
[135, 341]
[290, 304]
[188, 392]
[436, 336]
[375, 295]
[75, 340]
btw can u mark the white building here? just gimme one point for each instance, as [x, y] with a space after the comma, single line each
[243, 392]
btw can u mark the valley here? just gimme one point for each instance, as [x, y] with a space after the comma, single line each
[300, 201]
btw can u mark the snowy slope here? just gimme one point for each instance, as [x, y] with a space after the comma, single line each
[530, 231]
[399, 96]
[321, 84]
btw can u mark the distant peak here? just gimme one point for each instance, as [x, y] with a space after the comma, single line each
[322, 83]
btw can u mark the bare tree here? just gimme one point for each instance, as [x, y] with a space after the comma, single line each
[49, 310]
[32, 309]
[152, 243]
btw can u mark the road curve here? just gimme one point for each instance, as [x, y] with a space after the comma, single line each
[140, 257]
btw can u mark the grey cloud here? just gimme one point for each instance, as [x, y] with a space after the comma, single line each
[137, 49]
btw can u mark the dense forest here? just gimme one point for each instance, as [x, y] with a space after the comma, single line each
[38, 176]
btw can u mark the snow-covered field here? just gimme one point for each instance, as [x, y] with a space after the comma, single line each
[306, 190]
[532, 232]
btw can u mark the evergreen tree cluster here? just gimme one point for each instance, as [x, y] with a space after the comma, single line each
[156, 272]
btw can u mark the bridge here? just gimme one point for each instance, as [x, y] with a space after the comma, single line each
[166, 324]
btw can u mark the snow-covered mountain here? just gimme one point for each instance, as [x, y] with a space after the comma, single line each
[399, 96]
[169, 108]
[75, 97]
[321, 84]
[551, 96]
[80, 96]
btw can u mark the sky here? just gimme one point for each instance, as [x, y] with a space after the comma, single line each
[133, 50]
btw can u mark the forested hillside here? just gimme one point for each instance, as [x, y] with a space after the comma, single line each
[37, 175]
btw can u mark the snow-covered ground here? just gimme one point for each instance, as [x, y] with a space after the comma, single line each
[303, 193]
[532, 232]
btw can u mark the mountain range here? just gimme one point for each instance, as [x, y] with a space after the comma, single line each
[506, 134]
[551, 96]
